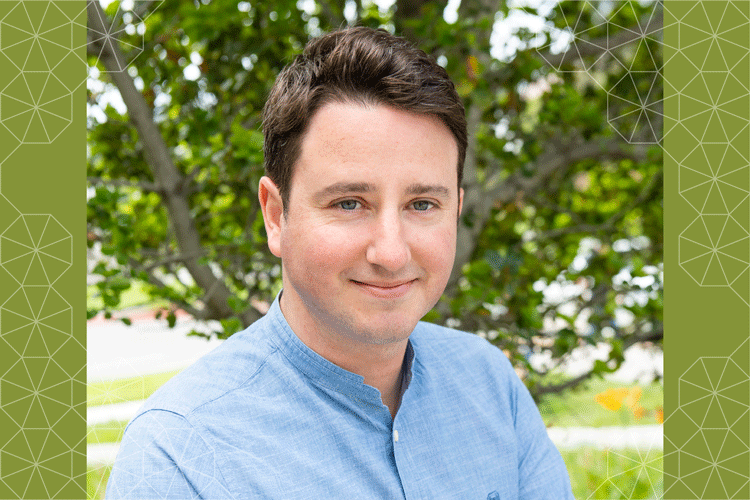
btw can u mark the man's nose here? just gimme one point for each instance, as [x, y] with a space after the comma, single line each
[388, 247]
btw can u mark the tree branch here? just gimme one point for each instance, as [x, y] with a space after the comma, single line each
[555, 160]
[653, 336]
[607, 225]
[170, 260]
[164, 171]
[628, 342]
[550, 205]
[141, 8]
[541, 390]
[153, 280]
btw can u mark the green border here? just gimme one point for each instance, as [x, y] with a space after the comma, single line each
[707, 254]
[42, 249]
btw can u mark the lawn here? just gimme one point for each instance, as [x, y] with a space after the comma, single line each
[108, 432]
[96, 482]
[578, 408]
[612, 474]
[128, 389]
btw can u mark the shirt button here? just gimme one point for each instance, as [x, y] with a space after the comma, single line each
[395, 435]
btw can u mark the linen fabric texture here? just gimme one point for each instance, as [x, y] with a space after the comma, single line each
[265, 417]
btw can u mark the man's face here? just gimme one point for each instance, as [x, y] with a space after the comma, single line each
[369, 237]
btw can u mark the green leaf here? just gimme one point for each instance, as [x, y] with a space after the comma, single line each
[237, 304]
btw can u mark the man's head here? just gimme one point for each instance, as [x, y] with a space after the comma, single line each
[356, 65]
[365, 139]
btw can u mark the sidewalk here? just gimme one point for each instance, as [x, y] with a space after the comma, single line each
[148, 346]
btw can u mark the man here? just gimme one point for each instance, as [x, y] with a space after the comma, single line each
[339, 391]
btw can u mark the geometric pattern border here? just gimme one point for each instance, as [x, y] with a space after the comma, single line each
[707, 450]
[637, 94]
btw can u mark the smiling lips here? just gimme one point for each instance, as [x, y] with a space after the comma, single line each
[386, 290]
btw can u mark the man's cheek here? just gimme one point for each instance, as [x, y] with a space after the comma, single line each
[438, 246]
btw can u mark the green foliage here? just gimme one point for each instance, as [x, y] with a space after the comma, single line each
[96, 481]
[591, 227]
[628, 474]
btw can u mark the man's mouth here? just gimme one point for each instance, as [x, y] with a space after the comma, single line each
[386, 289]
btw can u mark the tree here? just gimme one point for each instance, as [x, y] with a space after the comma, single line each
[562, 177]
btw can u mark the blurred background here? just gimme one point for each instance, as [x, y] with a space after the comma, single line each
[560, 251]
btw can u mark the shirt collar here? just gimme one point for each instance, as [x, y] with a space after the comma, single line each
[320, 370]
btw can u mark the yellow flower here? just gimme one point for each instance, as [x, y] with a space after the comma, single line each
[612, 399]
[638, 411]
[634, 395]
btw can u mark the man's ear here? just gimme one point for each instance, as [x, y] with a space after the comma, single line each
[273, 213]
[460, 200]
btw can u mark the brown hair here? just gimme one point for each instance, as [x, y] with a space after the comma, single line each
[360, 65]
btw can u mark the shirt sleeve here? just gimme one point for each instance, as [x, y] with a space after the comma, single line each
[541, 471]
[162, 456]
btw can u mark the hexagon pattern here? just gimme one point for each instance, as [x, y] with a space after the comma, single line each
[709, 445]
[132, 13]
[623, 483]
[36, 250]
[42, 41]
[635, 94]
[38, 40]
[714, 166]
[41, 45]
[40, 380]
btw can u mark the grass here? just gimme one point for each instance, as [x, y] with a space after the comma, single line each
[108, 432]
[579, 409]
[128, 389]
[594, 474]
[134, 296]
[119, 391]
[96, 482]
[614, 474]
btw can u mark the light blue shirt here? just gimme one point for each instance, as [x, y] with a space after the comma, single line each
[265, 417]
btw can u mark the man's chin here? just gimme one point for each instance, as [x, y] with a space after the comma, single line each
[385, 331]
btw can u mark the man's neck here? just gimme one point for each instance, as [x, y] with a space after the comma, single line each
[379, 364]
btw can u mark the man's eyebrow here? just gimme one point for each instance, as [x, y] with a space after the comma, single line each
[435, 190]
[341, 188]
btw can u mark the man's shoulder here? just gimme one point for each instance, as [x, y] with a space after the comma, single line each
[232, 365]
[440, 338]
[436, 342]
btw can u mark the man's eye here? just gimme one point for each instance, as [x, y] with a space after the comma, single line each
[348, 204]
[422, 205]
